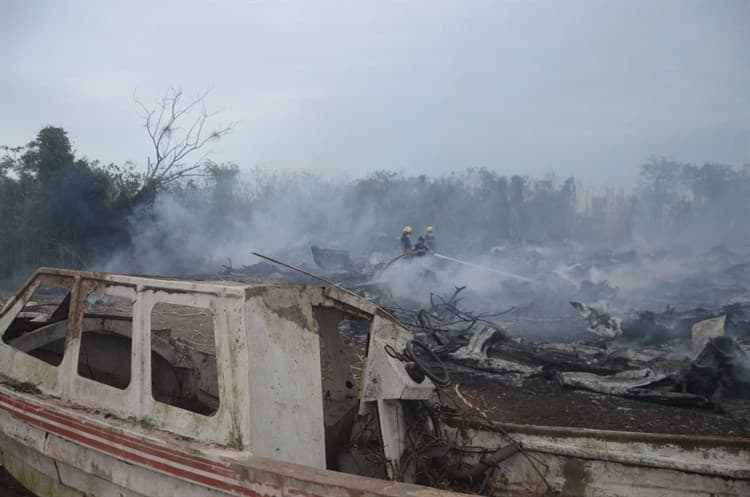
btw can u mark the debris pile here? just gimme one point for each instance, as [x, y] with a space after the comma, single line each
[694, 358]
[331, 258]
[647, 357]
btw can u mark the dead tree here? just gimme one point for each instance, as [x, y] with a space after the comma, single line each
[178, 134]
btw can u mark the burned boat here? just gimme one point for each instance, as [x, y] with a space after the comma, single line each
[109, 385]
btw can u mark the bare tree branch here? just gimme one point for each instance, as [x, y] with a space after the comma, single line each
[177, 130]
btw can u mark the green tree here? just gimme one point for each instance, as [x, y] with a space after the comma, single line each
[50, 153]
[58, 209]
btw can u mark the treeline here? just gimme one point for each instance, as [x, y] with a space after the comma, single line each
[707, 205]
[56, 209]
[61, 210]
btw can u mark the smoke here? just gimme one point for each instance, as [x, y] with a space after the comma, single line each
[194, 230]
[606, 249]
[168, 238]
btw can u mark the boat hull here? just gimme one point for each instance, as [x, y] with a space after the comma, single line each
[57, 451]
[585, 462]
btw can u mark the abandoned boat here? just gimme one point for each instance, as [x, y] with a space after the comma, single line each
[134, 386]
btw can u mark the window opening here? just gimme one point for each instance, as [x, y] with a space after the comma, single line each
[183, 360]
[340, 394]
[106, 341]
[40, 327]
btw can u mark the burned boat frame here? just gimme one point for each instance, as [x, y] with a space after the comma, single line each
[62, 432]
[278, 419]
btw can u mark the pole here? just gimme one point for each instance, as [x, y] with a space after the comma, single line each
[306, 273]
[329, 282]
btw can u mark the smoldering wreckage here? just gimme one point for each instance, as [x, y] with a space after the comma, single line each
[272, 379]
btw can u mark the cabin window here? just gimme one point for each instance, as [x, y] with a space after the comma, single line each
[41, 326]
[106, 341]
[183, 358]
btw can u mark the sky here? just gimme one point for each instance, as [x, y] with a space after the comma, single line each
[588, 88]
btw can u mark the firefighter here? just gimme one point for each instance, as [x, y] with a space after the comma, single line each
[420, 248]
[405, 240]
[429, 239]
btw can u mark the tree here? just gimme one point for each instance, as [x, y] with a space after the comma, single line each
[58, 209]
[568, 207]
[516, 201]
[222, 182]
[50, 153]
[177, 131]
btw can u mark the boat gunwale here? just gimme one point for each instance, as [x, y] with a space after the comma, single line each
[607, 435]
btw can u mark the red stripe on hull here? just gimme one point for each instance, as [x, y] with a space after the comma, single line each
[122, 439]
[173, 456]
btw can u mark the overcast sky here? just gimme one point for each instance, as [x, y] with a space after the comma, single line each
[585, 88]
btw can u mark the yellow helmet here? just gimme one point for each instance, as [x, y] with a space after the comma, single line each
[429, 229]
[407, 229]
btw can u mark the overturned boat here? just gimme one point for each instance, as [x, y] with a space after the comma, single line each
[135, 386]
